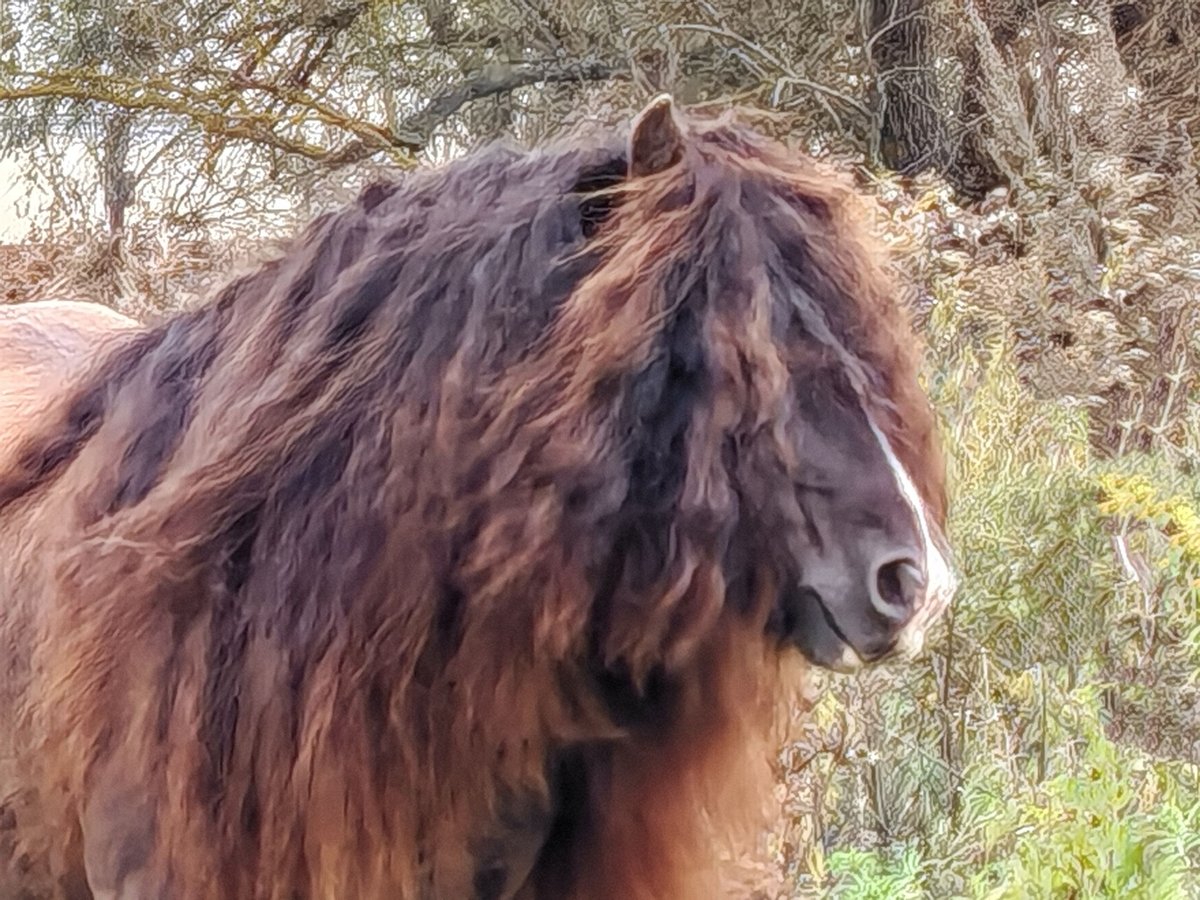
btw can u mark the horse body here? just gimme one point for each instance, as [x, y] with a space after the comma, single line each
[45, 346]
[454, 553]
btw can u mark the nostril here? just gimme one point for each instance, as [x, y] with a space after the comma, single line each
[897, 585]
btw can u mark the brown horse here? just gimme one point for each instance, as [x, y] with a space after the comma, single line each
[44, 346]
[452, 553]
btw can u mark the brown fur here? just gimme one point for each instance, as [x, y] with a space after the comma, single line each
[435, 559]
[44, 346]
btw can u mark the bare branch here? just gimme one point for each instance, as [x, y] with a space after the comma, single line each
[502, 79]
[210, 109]
[789, 76]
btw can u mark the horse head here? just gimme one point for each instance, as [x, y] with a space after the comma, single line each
[843, 463]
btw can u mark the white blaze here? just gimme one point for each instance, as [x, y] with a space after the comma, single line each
[940, 581]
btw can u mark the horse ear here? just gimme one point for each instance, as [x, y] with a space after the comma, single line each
[656, 143]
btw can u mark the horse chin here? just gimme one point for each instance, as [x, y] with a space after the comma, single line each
[835, 655]
[807, 624]
[823, 644]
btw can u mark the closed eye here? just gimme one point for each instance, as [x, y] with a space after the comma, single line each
[818, 489]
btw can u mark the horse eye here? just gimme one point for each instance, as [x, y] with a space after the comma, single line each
[592, 213]
[594, 207]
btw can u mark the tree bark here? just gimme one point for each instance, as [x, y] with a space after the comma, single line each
[115, 178]
[921, 125]
[913, 132]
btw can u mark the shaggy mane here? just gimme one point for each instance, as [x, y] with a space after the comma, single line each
[411, 528]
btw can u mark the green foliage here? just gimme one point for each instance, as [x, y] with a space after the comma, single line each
[877, 876]
[1111, 824]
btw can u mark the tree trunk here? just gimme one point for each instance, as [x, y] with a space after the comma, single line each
[116, 181]
[911, 115]
[921, 124]
[116, 186]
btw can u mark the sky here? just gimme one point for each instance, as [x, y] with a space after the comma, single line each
[14, 190]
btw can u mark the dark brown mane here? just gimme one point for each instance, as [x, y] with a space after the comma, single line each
[402, 531]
